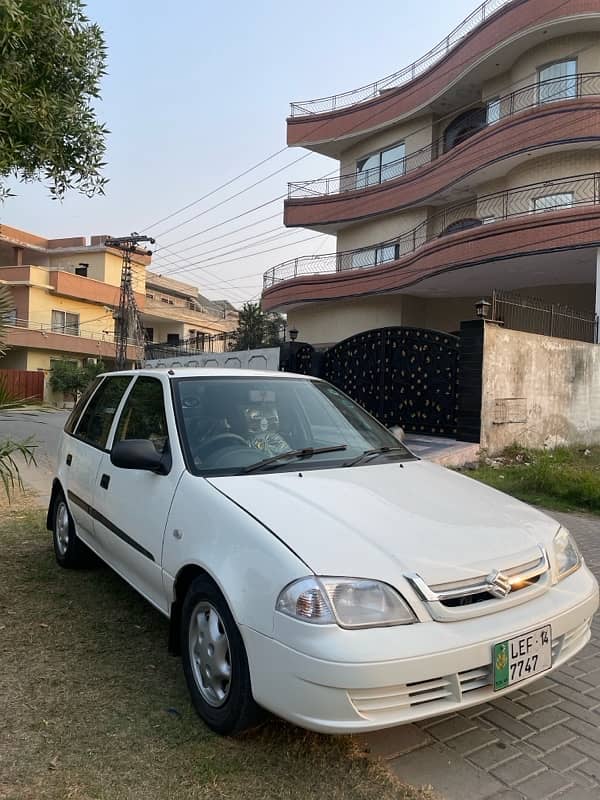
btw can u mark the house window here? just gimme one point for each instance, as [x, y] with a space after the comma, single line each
[552, 201]
[149, 334]
[173, 338]
[493, 111]
[150, 296]
[82, 270]
[382, 166]
[63, 322]
[557, 81]
[10, 317]
[373, 256]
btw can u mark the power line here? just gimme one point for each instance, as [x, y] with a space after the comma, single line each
[237, 194]
[217, 189]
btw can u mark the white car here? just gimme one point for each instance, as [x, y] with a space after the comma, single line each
[308, 562]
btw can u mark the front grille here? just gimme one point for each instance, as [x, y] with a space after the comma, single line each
[482, 597]
[483, 594]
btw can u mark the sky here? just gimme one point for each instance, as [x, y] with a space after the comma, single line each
[198, 92]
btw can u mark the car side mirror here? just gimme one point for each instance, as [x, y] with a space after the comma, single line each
[139, 454]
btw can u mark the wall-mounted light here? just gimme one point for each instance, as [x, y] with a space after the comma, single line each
[293, 334]
[482, 309]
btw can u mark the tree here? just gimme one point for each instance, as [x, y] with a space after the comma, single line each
[52, 59]
[257, 328]
[9, 468]
[70, 378]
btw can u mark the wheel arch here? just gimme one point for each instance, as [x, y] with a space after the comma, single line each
[183, 580]
[57, 490]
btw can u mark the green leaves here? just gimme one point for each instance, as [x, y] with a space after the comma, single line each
[10, 476]
[257, 329]
[70, 378]
[52, 60]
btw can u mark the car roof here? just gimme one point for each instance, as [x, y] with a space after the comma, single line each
[208, 372]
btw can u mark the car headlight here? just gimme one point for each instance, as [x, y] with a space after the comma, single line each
[349, 602]
[566, 554]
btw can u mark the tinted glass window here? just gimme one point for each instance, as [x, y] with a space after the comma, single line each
[143, 415]
[558, 81]
[95, 423]
[80, 405]
[229, 424]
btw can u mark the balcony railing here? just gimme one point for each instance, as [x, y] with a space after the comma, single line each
[534, 198]
[585, 84]
[201, 343]
[334, 102]
[82, 333]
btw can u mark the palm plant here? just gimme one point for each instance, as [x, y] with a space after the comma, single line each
[10, 477]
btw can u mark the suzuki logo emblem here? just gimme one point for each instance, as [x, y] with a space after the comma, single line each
[498, 584]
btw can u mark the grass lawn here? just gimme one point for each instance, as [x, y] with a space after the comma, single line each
[92, 706]
[565, 479]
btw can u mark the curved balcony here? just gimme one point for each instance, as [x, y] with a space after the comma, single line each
[475, 44]
[535, 218]
[519, 123]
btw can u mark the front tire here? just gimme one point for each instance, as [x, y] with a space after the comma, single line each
[69, 550]
[215, 662]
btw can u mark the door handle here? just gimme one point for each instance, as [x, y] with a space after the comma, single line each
[104, 481]
[69, 460]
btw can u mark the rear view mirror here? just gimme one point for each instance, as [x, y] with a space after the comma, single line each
[139, 454]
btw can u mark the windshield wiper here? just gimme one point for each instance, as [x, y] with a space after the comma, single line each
[306, 452]
[378, 451]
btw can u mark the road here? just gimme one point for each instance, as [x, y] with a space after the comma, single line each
[44, 426]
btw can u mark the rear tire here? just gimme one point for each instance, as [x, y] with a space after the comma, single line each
[69, 550]
[214, 661]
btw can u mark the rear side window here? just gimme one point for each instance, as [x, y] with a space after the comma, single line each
[143, 415]
[80, 405]
[94, 425]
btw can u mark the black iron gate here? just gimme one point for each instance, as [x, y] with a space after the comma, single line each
[403, 376]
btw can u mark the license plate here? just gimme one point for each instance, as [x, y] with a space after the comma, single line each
[522, 657]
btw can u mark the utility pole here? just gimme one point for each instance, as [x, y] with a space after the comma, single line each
[128, 325]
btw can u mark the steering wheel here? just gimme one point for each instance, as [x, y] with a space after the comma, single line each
[220, 440]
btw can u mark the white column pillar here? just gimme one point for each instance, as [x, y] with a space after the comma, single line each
[597, 306]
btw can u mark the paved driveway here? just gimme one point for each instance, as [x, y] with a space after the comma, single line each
[539, 743]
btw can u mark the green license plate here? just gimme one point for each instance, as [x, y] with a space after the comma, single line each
[522, 657]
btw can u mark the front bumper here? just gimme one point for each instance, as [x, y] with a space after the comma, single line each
[339, 681]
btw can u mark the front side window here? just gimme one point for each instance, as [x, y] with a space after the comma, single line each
[64, 322]
[94, 426]
[557, 81]
[228, 425]
[382, 166]
[552, 201]
[143, 415]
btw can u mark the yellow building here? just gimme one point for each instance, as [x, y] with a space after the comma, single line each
[65, 294]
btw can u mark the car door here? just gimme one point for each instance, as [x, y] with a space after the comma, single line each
[82, 449]
[134, 504]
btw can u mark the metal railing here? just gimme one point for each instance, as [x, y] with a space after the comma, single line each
[533, 198]
[532, 315]
[323, 105]
[67, 330]
[584, 84]
[201, 343]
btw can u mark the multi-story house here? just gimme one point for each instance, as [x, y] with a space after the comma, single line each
[475, 169]
[66, 292]
[176, 312]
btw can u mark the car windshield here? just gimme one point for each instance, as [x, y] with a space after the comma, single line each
[231, 425]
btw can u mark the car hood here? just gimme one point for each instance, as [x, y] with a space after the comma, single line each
[380, 521]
